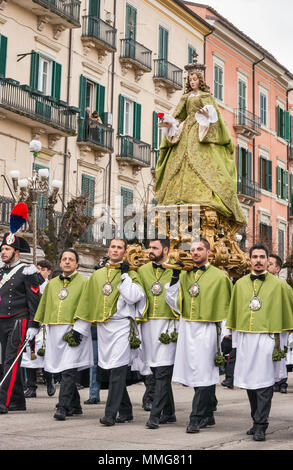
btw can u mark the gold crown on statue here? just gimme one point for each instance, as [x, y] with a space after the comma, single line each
[194, 67]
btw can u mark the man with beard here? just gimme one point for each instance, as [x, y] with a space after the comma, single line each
[202, 298]
[258, 334]
[19, 299]
[158, 331]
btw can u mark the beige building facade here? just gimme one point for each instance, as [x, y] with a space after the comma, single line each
[60, 59]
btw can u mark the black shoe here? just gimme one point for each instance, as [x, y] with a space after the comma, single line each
[193, 427]
[251, 431]
[164, 419]
[107, 421]
[207, 422]
[74, 411]
[153, 423]
[51, 389]
[92, 401]
[147, 406]
[259, 433]
[276, 388]
[283, 389]
[3, 409]
[124, 419]
[17, 407]
[30, 393]
[60, 414]
[227, 383]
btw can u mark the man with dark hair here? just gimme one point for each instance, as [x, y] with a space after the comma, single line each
[275, 264]
[19, 295]
[110, 300]
[201, 297]
[68, 343]
[158, 331]
[259, 334]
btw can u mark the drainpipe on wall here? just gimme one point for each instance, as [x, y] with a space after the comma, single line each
[288, 168]
[253, 144]
[112, 108]
[204, 49]
[65, 155]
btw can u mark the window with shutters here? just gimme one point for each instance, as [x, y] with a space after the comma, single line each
[191, 52]
[3, 54]
[88, 186]
[265, 173]
[126, 201]
[242, 101]
[218, 82]
[130, 22]
[265, 235]
[263, 108]
[45, 75]
[281, 243]
[283, 123]
[128, 117]
[282, 183]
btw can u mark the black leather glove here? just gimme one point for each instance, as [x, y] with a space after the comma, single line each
[124, 268]
[176, 273]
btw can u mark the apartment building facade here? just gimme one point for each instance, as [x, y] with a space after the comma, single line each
[254, 93]
[59, 61]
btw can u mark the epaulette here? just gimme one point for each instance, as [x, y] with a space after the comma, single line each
[29, 270]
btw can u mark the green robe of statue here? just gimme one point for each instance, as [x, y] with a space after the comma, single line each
[54, 311]
[212, 302]
[197, 172]
[276, 312]
[156, 305]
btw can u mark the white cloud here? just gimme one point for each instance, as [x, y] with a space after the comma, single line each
[267, 22]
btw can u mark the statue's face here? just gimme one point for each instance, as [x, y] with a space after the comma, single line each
[194, 81]
[211, 217]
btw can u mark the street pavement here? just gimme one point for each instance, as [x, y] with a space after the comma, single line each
[36, 429]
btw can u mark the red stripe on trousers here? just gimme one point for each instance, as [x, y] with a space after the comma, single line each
[14, 369]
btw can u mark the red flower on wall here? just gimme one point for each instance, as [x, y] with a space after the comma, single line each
[160, 116]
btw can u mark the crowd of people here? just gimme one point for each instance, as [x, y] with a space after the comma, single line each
[160, 323]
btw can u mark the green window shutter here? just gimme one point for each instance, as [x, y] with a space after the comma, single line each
[155, 130]
[278, 121]
[239, 163]
[136, 120]
[279, 182]
[100, 103]
[3, 54]
[94, 8]
[268, 175]
[191, 51]
[34, 75]
[249, 165]
[56, 80]
[286, 185]
[260, 172]
[82, 95]
[286, 125]
[121, 115]
[291, 129]
[130, 22]
[163, 43]
[88, 184]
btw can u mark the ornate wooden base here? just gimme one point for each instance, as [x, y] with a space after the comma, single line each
[185, 223]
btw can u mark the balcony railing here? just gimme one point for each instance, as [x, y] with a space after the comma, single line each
[69, 9]
[245, 121]
[133, 50]
[134, 150]
[169, 72]
[32, 104]
[97, 29]
[249, 189]
[99, 135]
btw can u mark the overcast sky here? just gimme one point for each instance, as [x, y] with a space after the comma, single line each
[267, 22]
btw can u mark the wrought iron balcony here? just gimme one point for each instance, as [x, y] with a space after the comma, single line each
[102, 34]
[247, 123]
[248, 191]
[97, 136]
[135, 55]
[133, 151]
[61, 12]
[169, 74]
[22, 103]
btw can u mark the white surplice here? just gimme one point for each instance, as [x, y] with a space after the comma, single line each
[155, 353]
[196, 348]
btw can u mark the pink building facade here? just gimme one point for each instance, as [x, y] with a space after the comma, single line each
[252, 90]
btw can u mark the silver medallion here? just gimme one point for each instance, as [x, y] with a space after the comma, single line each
[156, 288]
[107, 288]
[194, 289]
[255, 303]
[63, 293]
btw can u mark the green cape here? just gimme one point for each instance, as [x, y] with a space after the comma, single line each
[52, 310]
[275, 314]
[157, 306]
[94, 306]
[212, 303]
